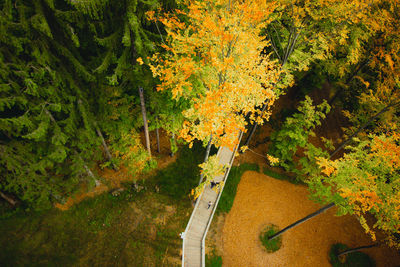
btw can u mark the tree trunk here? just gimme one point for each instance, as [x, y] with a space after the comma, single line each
[357, 249]
[253, 129]
[308, 217]
[206, 156]
[8, 199]
[108, 154]
[146, 128]
[362, 128]
[90, 173]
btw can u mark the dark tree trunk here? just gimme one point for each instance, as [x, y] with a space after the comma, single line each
[146, 128]
[308, 217]
[357, 249]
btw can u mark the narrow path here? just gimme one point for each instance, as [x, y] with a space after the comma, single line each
[193, 252]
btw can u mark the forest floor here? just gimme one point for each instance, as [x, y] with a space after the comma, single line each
[135, 227]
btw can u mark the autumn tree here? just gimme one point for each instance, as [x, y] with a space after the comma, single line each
[365, 181]
[215, 67]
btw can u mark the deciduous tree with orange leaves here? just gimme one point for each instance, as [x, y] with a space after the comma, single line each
[216, 67]
[365, 181]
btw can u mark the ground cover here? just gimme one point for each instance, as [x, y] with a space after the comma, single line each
[130, 229]
[270, 245]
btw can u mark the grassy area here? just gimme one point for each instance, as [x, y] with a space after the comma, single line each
[274, 244]
[213, 261]
[355, 259]
[132, 229]
[229, 193]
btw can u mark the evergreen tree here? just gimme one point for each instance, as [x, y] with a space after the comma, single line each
[47, 142]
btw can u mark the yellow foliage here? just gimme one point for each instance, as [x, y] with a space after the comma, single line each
[243, 148]
[139, 60]
[272, 160]
[327, 166]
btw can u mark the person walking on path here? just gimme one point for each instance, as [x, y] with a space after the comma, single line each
[209, 204]
[212, 184]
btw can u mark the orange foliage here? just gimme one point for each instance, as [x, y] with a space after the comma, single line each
[215, 62]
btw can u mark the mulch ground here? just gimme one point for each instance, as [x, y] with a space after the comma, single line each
[261, 200]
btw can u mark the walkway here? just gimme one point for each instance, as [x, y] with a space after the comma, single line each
[193, 253]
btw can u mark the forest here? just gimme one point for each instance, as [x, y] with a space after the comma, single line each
[112, 113]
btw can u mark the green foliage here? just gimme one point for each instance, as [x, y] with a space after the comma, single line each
[56, 58]
[274, 244]
[355, 259]
[228, 195]
[213, 260]
[295, 132]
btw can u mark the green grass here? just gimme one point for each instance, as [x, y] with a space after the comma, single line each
[106, 230]
[270, 245]
[213, 261]
[279, 176]
[355, 259]
[229, 193]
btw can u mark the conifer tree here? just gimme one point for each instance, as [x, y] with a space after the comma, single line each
[45, 136]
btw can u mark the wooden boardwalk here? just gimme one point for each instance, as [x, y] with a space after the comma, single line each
[193, 254]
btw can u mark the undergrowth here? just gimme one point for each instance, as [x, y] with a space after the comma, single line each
[213, 260]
